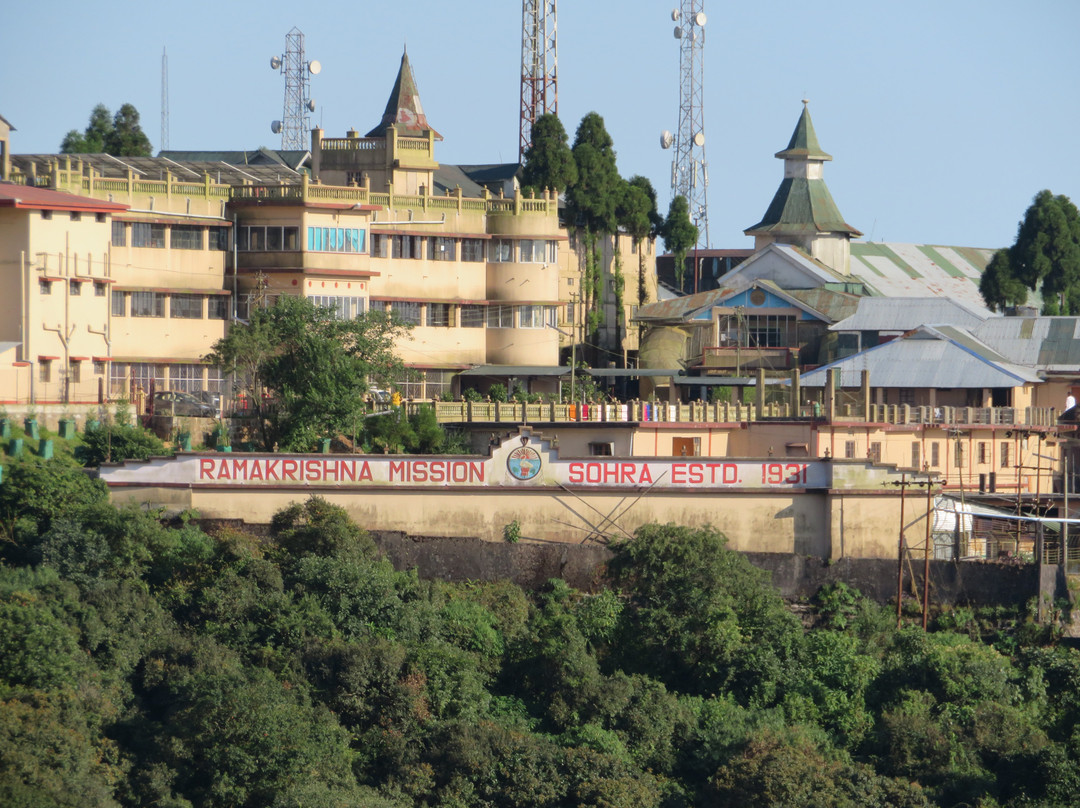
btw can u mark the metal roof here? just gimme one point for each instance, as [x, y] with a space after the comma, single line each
[500, 371]
[1046, 343]
[906, 313]
[23, 196]
[926, 358]
[267, 172]
[921, 270]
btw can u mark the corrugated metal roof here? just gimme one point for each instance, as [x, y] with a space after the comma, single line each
[802, 205]
[1046, 343]
[906, 313]
[927, 358]
[263, 172]
[920, 270]
[833, 305]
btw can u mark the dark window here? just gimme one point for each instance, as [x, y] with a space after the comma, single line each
[145, 234]
[75, 288]
[472, 316]
[147, 304]
[438, 315]
[99, 289]
[186, 237]
[186, 307]
[119, 234]
[45, 370]
[916, 455]
[935, 454]
[849, 449]
[500, 317]
[119, 304]
[1004, 455]
[45, 287]
[75, 371]
[472, 249]
[219, 238]
[76, 216]
[217, 307]
[442, 249]
[982, 451]
[405, 311]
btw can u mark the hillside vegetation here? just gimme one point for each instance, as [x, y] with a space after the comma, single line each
[148, 663]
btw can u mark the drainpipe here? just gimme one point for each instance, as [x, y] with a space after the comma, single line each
[235, 269]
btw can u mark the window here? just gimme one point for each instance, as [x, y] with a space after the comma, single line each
[983, 458]
[145, 234]
[907, 396]
[531, 251]
[76, 216]
[186, 378]
[380, 245]
[272, 238]
[74, 288]
[119, 234]
[500, 251]
[570, 307]
[770, 331]
[118, 379]
[99, 289]
[411, 385]
[328, 239]
[442, 249]
[186, 307]
[45, 287]
[601, 448]
[119, 304]
[406, 247]
[147, 304]
[849, 449]
[935, 454]
[218, 238]
[45, 370]
[531, 317]
[99, 368]
[1004, 455]
[500, 317]
[438, 315]
[472, 249]
[437, 382]
[99, 218]
[217, 307]
[916, 455]
[875, 452]
[345, 308]
[148, 377]
[406, 311]
[186, 237]
[472, 316]
[46, 214]
[75, 371]
[214, 382]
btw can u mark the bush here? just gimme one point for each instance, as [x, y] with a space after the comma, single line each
[113, 443]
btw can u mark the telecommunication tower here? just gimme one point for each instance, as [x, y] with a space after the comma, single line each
[539, 66]
[689, 169]
[164, 100]
[295, 124]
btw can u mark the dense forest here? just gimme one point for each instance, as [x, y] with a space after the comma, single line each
[144, 662]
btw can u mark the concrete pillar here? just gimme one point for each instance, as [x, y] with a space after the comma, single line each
[796, 393]
[759, 391]
[830, 395]
[865, 394]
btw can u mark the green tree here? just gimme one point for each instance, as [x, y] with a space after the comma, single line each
[549, 163]
[998, 285]
[1045, 254]
[121, 135]
[680, 234]
[115, 442]
[591, 203]
[638, 216]
[317, 367]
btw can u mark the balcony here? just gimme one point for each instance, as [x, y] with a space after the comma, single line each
[738, 359]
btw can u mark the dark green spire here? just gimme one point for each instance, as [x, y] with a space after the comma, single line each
[804, 143]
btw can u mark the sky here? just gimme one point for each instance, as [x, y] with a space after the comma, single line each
[944, 117]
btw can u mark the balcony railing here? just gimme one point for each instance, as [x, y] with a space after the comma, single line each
[739, 358]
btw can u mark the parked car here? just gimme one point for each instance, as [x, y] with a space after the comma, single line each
[173, 402]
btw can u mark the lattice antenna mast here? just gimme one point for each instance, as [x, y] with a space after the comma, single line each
[539, 66]
[689, 168]
[164, 100]
[295, 124]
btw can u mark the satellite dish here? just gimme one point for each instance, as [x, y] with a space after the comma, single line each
[666, 139]
[275, 127]
[678, 32]
[699, 138]
[314, 67]
[311, 104]
[275, 62]
[699, 18]
[674, 15]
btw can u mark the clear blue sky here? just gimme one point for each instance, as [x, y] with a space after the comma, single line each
[944, 117]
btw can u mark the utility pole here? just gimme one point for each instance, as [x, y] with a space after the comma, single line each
[902, 550]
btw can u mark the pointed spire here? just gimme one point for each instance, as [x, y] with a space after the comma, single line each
[403, 109]
[804, 143]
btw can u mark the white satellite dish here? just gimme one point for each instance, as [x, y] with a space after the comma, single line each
[674, 15]
[311, 104]
[699, 138]
[275, 62]
[666, 139]
[678, 32]
[275, 127]
[314, 67]
[699, 18]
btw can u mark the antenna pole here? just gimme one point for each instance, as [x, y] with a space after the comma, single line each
[690, 170]
[295, 122]
[164, 100]
[539, 66]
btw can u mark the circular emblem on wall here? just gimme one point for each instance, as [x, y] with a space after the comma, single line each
[523, 463]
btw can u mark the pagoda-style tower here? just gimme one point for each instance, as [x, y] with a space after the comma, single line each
[803, 213]
[403, 109]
